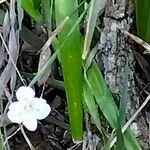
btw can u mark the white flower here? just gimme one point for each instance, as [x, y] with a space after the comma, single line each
[25, 95]
[16, 112]
[28, 109]
[40, 107]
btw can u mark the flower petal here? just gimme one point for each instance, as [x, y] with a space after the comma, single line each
[43, 113]
[16, 112]
[30, 121]
[25, 95]
[16, 106]
[41, 108]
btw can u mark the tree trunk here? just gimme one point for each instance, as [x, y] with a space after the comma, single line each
[114, 49]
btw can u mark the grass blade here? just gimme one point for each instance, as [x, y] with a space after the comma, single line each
[130, 141]
[91, 105]
[124, 97]
[96, 7]
[122, 110]
[102, 95]
[53, 57]
[47, 7]
[120, 139]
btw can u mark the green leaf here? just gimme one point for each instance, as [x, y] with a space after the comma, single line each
[91, 105]
[102, 95]
[28, 6]
[107, 105]
[71, 64]
[120, 139]
[122, 110]
[130, 141]
[53, 57]
[47, 7]
[96, 7]
[124, 97]
[143, 19]
[37, 4]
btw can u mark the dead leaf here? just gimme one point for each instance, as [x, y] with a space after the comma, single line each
[44, 56]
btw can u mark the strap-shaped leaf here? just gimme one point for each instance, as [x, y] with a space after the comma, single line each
[71, 62]
[143, 19]
[102, 95]
[91, 105]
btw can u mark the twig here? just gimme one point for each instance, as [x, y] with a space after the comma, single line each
[12, 135]
[27, 139]
[53, 35]
[135, 38]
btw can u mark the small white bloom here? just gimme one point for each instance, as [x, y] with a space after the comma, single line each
[25, 95]
[40, 107]
[28, 109]
[16, 112]
[29, 120]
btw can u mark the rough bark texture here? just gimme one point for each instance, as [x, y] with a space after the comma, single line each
[114, 49]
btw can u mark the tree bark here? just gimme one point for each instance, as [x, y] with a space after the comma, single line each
[114, 49]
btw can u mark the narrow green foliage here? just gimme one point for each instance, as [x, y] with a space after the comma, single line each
[71, 64]
[47, 7]
[107, 145]
[120, 139]
[96, 7]
[37, 4]
[122, 110]
[124, 97]
[33, 38]
[56, 43]
[52, 58]
[130, 142]
[45, 67]
[107, 105]
[29, 7]
[87, 93]
[102, 95]
[81, 6]
[91, 105]
[143, 19]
